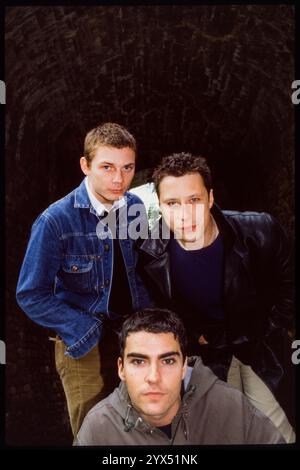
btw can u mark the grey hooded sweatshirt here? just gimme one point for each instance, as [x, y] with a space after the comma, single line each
[211, 412]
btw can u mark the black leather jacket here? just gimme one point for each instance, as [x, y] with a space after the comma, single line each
[257, 298]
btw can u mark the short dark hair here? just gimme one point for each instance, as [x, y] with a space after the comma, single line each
[154, 320]
[109, 134]
[180, 164]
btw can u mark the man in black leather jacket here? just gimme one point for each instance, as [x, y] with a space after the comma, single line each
[227, 274]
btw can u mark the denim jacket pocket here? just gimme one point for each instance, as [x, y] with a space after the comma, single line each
[75, 274]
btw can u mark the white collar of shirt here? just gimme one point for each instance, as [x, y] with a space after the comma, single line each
[98, 206]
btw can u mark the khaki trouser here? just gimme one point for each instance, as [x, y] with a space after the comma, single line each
[247, 381]
[87, 380]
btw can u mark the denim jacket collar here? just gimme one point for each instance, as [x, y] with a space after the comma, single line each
[81, 197]
[82, 200]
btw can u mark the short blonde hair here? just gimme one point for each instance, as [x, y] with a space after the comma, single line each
[109, 134]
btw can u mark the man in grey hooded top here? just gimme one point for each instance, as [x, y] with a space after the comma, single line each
[165, 398]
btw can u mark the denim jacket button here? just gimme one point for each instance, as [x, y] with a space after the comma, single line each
[106, 247]
[74, 268]
[106, 282]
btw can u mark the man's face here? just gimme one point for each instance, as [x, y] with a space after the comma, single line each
[153, 369]
[185, 205]
[110, 172]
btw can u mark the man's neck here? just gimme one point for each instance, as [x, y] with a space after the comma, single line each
[98, 203]
[96, 196]
[157, 423]
[165, 419]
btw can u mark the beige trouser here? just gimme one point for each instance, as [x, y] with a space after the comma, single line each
[247, 381]
[87, 380]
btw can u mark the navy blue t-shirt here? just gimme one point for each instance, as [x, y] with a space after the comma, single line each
[197, 282]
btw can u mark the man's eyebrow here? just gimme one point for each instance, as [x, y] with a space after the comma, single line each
[168, 354]
[113, 163]
[171, 199]
[190, 196]
[133, 354]
[186, 197]
[161, 356]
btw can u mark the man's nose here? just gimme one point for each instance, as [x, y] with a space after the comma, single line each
[118, 177]
[186, 210]
[153, 374]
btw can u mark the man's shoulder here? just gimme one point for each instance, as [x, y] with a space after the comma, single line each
[251, 220]
[60, 208]
[247, 216]
[100, 415]
[100, 410]
[62, 203]
[56, 212]
[223, 399]
[102, 418]
[230, 413]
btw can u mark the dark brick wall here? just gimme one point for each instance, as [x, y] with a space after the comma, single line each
[209, 79]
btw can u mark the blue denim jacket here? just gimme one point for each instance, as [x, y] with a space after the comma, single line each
[66, 276]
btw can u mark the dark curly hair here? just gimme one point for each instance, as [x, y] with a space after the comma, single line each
[180, 164]
[154, 320]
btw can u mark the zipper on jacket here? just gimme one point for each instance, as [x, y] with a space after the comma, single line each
[128, 425]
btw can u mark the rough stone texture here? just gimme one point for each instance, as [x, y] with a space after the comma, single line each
[209, 79]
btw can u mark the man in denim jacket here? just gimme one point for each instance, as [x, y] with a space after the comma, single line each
[78, 276]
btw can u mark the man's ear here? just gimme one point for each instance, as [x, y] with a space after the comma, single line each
[84, 165]
[121, 369]
[211, 198]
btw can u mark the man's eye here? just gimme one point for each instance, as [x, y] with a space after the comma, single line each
[169, 361]
[106, 167]
[172, 203]
[137, 362]
[128, 168]
[195, 200]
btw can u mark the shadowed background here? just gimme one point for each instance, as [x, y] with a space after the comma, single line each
[214, 80]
